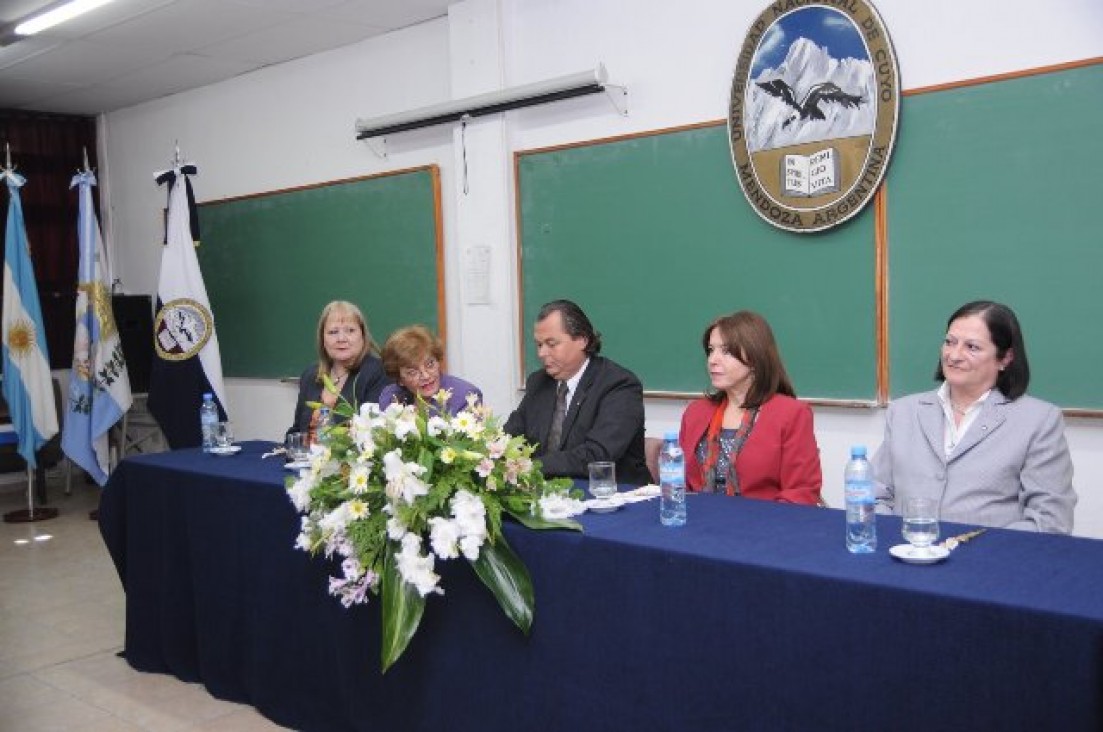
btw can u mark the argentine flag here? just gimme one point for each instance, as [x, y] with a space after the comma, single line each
[99, 386]
[28, 388]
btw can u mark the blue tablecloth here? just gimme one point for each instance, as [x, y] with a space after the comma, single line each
[751, 617]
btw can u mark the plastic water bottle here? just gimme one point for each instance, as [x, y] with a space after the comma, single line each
[861, 519]
[321, 430]
[208, 421]
[672, 481]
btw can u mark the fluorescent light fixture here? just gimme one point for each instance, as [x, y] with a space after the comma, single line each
[57, 14]
[593, 81]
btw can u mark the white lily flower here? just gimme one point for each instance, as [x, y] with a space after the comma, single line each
[402, 478]
[299, 492]
[416, 568]
[335, 521]
[396, 530]
[444, 536]
[405, 426]
[470, 513]
[436, 426]
[470, 546]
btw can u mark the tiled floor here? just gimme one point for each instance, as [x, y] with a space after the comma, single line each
[61, 625]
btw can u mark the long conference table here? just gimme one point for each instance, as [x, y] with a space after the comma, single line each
[753, 616]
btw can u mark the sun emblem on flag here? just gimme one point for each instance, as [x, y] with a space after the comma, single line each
[21, 337]
[99, 298]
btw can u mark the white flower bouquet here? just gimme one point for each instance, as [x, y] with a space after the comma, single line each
[391, 492]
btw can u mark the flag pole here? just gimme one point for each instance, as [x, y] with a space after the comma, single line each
[43, 513]
[99, 382]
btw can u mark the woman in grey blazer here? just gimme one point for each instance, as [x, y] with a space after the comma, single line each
[986, 452]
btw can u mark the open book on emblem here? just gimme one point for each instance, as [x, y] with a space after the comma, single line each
[810, 175]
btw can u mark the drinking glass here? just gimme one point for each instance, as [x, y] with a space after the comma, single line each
[224, 435]
[297, 448]
[603, 480]
[920, 522]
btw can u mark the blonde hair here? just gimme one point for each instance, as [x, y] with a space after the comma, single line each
[345, 309]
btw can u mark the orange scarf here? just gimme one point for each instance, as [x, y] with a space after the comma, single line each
[712, 438]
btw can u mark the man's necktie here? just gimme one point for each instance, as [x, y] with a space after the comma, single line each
[555, 434]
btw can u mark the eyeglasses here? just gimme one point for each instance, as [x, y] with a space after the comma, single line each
[429, 367]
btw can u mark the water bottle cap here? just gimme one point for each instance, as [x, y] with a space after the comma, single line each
[207, 396]
[858, 451]
[670, 435]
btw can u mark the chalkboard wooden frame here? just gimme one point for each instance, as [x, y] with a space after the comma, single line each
[272, 260]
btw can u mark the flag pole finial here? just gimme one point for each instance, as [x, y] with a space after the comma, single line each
[7, 156]
[86, 168]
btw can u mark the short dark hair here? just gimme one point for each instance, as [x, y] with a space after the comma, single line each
[748, 337]
[575, 323]
[1007, 335]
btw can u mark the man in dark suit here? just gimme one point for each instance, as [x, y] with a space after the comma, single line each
[581, 407]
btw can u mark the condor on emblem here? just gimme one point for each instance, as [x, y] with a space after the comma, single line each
[813, 111]
[181, 329]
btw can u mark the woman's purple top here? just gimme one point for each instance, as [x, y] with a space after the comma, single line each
[459, 388]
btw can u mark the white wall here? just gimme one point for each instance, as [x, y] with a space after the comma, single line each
[293, 125]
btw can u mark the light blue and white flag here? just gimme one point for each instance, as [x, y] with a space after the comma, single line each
[28, 388]
[99, 385]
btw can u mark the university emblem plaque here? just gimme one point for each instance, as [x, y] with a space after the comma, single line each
[181, 329]
[812, 117]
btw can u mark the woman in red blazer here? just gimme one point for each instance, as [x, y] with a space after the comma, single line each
[749, 436]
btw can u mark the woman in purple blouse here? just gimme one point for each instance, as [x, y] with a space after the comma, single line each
[412, 357]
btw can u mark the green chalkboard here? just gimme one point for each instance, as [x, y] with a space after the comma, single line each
[652, 236]
[994, 193]
[272, 261]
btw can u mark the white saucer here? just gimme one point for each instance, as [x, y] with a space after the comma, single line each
[604, 505]
[913, 555]
[231, 450]
[297, 466]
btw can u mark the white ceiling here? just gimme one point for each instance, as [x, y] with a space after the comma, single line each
[132, 51]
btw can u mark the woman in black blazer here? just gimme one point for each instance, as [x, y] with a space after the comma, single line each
[349, 356]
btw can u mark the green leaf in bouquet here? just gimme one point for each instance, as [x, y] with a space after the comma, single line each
[329, 385]
[505, 574]
[402, 610]
[534, 521]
